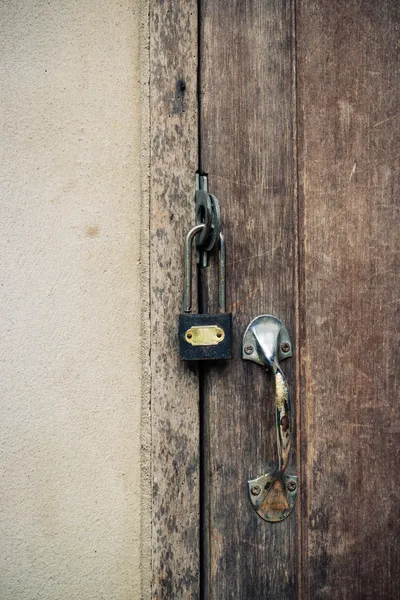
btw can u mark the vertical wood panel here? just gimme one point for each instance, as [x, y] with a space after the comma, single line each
[247, 150]
[174, 388]
[349, 101]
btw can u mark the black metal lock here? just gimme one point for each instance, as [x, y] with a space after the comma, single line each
[205, 336]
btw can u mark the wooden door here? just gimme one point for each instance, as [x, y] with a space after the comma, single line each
[295, 107]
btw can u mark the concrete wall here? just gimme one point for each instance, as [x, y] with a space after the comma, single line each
[73, 300]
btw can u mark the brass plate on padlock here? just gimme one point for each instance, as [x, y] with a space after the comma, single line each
[205, 335]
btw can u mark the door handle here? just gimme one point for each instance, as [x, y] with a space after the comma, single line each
[266, 342]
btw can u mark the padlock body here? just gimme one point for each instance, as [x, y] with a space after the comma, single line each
[205, 337]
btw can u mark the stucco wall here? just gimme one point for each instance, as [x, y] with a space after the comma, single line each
[72, 276]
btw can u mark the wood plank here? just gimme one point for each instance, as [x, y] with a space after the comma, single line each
[174, 386]
[247, 149]
[349, 101]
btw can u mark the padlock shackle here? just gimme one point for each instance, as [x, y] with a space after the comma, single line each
[187, 298]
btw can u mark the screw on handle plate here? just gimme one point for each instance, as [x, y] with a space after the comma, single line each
[266, 342]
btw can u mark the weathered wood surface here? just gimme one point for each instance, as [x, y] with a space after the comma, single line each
[349, 146]
[247, 149]
[174, 387]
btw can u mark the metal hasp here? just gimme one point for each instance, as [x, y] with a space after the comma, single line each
[208, 214]
[267, 342]
[205, 336]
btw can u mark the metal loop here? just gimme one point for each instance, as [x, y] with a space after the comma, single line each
[209, 214]
[213, 237]
[203, 216]
[222, 275]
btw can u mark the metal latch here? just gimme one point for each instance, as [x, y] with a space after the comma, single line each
[205, 336]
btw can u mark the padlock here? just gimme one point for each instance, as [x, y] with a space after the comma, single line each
[205, 336]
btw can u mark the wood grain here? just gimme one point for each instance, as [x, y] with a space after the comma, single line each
[174, 387]
[349, 125]
[247, 149]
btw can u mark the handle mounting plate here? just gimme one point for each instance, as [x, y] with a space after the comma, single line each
[273, 495]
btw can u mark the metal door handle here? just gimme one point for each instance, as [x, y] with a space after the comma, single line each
[266, 342]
